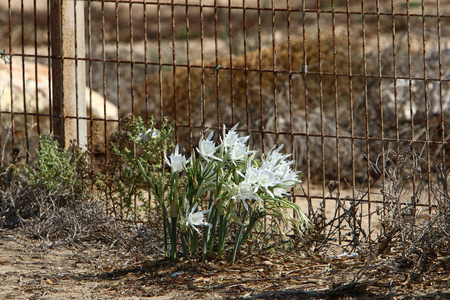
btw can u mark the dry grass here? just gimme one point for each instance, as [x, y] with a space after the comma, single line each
[418, 233]
[409, 256]
[59, 209]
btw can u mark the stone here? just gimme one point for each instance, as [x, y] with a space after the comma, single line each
[26, 87]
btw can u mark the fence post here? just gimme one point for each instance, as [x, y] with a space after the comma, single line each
[68, 73]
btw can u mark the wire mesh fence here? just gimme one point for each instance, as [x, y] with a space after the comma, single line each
[349, 87]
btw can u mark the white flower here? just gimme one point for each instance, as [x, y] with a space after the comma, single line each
[235, 146]
[231, 138]
[280, 192]
[271, 180]
[247, 191]
[196, 218]
[267, 178]
[207, 148]
[176, 161]
[274, 157]
[244, 191]
[151, 132]
[238, 152]
[261, 177]
[251, 175]
[289, 178]
[280, 165]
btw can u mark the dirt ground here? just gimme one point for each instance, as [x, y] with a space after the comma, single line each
[31, 269]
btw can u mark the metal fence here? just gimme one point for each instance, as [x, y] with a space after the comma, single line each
[350, 87]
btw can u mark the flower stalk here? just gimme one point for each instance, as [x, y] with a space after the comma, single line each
[221, 184]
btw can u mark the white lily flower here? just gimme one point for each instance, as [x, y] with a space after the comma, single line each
[271, 180]
[267, 179]
[262, 177]
[196, 218]
[289, 178]
[207, 148]
[274, 157]
[232, 138]
[238, 152]
[251, 175]
[151, 132]
[281, 167]
[176, 161]
[244, 191]
[280, 192]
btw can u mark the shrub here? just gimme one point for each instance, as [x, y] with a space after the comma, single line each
[52, 196]
[121, 180]
[55, 169]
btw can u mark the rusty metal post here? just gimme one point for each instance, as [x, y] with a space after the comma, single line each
[68, 73]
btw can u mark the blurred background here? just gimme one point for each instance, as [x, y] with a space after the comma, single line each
[340, 83]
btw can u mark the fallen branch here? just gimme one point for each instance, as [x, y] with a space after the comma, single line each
[261, 279]
[350, 289]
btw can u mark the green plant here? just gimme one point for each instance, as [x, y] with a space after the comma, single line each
[136, 142]
[221, 186]
[56, 169]
[52, 195]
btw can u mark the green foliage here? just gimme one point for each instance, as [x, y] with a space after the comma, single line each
[224, 189]
[56, 169]
[136, 143]
[47, 194]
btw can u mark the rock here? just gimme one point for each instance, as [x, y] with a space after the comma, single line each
[28, 86]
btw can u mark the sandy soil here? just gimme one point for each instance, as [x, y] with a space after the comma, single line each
[31, 269]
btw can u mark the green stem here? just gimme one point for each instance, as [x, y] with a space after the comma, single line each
[238, 237]
[166, 250]
[222, 234]
[224, 227]
[173, 238]
[250, 225]
[207, 233]
[212, 237]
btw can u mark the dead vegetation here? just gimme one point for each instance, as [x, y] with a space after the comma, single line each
[52, 198]
[418, 234]
[409, 255]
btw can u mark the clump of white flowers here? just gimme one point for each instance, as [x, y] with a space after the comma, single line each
[223, 182]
